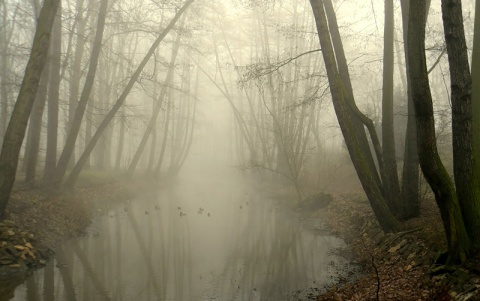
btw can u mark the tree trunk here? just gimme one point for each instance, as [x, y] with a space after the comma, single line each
[476, 90]
[70, 182]
[85, 96]
[392, 189]
[432, 167]
[410, 199]
[4, 72]
[18, 121]
[76, 71]
[467, 180]
[35, 128]
[121, 139]
[382, 213]
[358, 119]
[89, 123]
[101, 111]
[158, 105]
[164, 140]
[53, 99]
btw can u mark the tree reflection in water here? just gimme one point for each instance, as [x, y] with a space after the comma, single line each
[240, 246]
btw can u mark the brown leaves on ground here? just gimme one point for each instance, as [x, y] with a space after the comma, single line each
[37, 220]
[403, 261]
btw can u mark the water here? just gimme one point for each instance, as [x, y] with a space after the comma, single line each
[201, 237]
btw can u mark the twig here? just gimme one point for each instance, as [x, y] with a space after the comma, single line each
[378, 278]
[437, 61]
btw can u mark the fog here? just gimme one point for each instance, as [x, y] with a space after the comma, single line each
[211, 233]
[226, 107]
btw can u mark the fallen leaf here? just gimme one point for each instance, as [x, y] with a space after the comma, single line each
[15, 265]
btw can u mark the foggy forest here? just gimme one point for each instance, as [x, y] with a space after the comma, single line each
[197, 150]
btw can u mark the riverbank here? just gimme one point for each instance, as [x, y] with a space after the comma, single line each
[38, 220]
[401, 266]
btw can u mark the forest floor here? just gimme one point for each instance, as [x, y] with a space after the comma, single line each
[401, 266]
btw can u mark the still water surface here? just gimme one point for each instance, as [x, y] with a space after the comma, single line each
[201, 237]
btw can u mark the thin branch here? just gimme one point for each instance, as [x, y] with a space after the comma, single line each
[437, 61]
[253, 72]
[254, 165]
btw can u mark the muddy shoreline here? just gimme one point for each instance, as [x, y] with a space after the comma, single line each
[38, 221]
[402, 266]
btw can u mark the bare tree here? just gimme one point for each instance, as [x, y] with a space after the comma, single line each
[467, 178]
[70, 182]
[410, 199]
[18, 121]
[430, 162]
[158, 104]
[85, 96]
[53, 98]
[35, 128]
[342, 106]
[392, 188]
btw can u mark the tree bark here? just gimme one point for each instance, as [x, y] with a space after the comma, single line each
[18, 121]
[476, 90]
[386, 219]
[392, 189]
[430, 162]
[409, 199]
[35, 128]
[53, 99]
[360, 121]
[467, 180]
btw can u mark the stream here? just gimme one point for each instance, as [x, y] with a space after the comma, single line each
[210, 234]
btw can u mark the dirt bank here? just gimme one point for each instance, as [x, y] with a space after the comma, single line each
[38, 220]
[401, 266]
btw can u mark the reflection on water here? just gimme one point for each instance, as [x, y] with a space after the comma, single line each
[200, 238]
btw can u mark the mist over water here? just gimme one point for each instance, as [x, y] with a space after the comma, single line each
[212, 233]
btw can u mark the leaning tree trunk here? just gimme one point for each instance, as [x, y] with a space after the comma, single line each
[157, 107]
[430, 162]
[18, 121]
[72, 178]
[359, 120]
[467, 179]
[370, 186]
